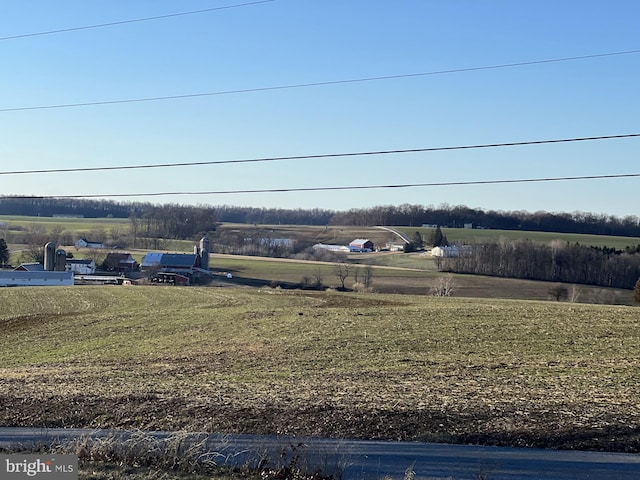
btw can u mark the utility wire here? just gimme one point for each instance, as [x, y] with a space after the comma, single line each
[122, 22]
[326, 155]
[316, 84]
[351, 187]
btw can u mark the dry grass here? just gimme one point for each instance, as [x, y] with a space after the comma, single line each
[322, 363]
[180, 456]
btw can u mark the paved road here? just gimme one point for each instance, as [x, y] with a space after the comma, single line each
[402, 236]
[373, 460]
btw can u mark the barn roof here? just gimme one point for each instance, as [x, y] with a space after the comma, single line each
[178, 260]
[79, 261]
[30, 267]
[119, 257]
[151, 259]
[360, 241]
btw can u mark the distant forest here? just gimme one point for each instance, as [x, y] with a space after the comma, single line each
[184, 221]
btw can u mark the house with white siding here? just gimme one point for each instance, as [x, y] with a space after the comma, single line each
[81, 266]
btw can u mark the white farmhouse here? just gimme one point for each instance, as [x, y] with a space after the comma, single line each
[80, 266]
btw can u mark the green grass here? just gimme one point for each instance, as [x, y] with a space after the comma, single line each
[463, 235]
[321, 363]
[77, 225]
[401, 273]
[321, 234]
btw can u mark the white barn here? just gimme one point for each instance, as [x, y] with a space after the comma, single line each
[332, 248]
[451, 251]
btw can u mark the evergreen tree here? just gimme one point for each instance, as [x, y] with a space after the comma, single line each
[437, 238]
[4, 252]
[417, 241]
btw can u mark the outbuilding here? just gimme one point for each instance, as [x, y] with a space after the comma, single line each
[120, 262]
[361, 245]
[84, 243]
[21, 278]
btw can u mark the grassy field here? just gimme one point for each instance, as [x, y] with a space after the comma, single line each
[320, 234]
[77, 225]
[334, 364]
[393, 272]
[462, 235]
[399, 273]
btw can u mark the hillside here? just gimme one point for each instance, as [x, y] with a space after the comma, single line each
[345, 234]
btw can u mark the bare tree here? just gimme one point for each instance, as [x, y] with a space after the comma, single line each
[367, 277]
[35, 240]
[342, 271]
[56, 235]
[444, 286]
[558, 291]
[317, 277]
[574, 294]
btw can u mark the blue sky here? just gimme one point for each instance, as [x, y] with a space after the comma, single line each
[288, 42]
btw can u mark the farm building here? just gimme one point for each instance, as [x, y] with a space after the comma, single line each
[332, 248]
[188, 265]
[81, 266]
[30, 267]
[120, 262]
[450, 250]
[84, 243]
[394, 247]
[151, 260]
[361, 245]
[18, 278]
[179, 262]
[171, 278]
[171, 262]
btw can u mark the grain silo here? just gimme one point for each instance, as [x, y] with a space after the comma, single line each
[61, 260]
[49, 256]
[204, 253]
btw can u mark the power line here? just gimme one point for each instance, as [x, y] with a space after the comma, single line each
[122, 22]
[315, 84]
[351, 187]
[319, 156]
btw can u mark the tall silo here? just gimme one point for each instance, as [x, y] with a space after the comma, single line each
[49, 256]
[61, 260]
[204, 253]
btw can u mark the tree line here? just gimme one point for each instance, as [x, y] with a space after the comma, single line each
[412, 215]
[555, 262]
[459, 215]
